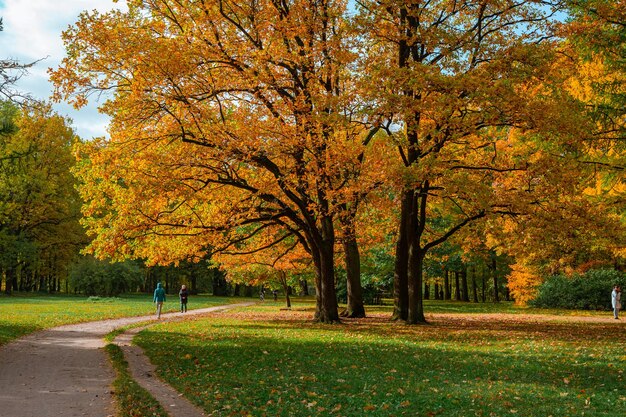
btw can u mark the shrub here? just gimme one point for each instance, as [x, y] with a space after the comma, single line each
[93, 277]
[588, 291]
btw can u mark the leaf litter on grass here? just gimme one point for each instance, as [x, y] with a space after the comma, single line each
[281, 363]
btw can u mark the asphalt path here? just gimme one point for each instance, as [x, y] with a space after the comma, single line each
[65, 372]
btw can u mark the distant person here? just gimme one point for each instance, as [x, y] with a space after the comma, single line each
[159, 299]
[616, 298]
[275, 294]
[183, 294]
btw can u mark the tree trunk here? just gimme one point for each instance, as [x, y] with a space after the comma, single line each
[464, 289]
[326, 310]
[457, 286]
[416, 304]
[474, 285]
[446, 285]
[193, 280]
[9, 278]
[304, 287]
[426, 291]
[287, 297]
[496, 296]
[286, 288]
[400, 284]
[484, 282]
[355, 307]
[247, 291]
[436, 291]
[416, 259]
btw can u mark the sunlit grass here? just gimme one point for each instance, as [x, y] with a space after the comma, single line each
[263, 361]
[24, 314]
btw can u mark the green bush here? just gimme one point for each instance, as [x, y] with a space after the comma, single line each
[588, 291]
[100, 278]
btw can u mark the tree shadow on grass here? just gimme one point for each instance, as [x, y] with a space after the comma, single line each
[447, 368]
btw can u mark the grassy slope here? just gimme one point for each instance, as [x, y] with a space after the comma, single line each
[494, 361]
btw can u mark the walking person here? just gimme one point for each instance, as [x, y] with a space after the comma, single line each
[616, 297]
[183, 294]
[159, 299]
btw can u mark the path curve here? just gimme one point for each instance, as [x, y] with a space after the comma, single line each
[63, 371]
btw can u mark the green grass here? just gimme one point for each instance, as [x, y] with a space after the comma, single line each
[22, 314]
[263, 362]
[132, 399]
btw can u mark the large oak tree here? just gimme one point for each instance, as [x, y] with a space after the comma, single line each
[457, 78]
[229, 119]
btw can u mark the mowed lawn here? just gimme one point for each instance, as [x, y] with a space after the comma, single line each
[470, 360]
[22, 314]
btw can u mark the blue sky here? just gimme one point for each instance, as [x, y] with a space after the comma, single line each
[32, 31]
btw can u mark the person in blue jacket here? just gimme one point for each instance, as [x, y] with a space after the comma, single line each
[159, 299]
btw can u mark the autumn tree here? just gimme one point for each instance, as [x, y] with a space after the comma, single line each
[596, 34]
[457, 77]
[590, 185]
[39, 207]
[275, 265]
[229, 119]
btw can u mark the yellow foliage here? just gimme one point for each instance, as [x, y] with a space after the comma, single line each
[523, 283]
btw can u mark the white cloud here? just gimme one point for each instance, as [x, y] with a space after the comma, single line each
[32, 31]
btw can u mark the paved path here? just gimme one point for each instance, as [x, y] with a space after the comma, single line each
[64, 372]
[144, 373]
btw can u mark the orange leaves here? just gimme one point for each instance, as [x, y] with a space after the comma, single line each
[523, 283]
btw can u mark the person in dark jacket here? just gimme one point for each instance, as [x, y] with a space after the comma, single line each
[183, 294]
[159, 299]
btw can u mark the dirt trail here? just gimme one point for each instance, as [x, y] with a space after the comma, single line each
[64, 372]
[144, 373]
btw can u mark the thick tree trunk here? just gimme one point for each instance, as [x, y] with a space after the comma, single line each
[355, 307]
[326, 310]
[400, 280]
[416, 304]
[436, 291]
[416, 260]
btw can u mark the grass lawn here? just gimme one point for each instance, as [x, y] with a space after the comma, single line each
[21, 314]
[470, 360]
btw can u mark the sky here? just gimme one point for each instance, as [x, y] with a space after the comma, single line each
[32, 31]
